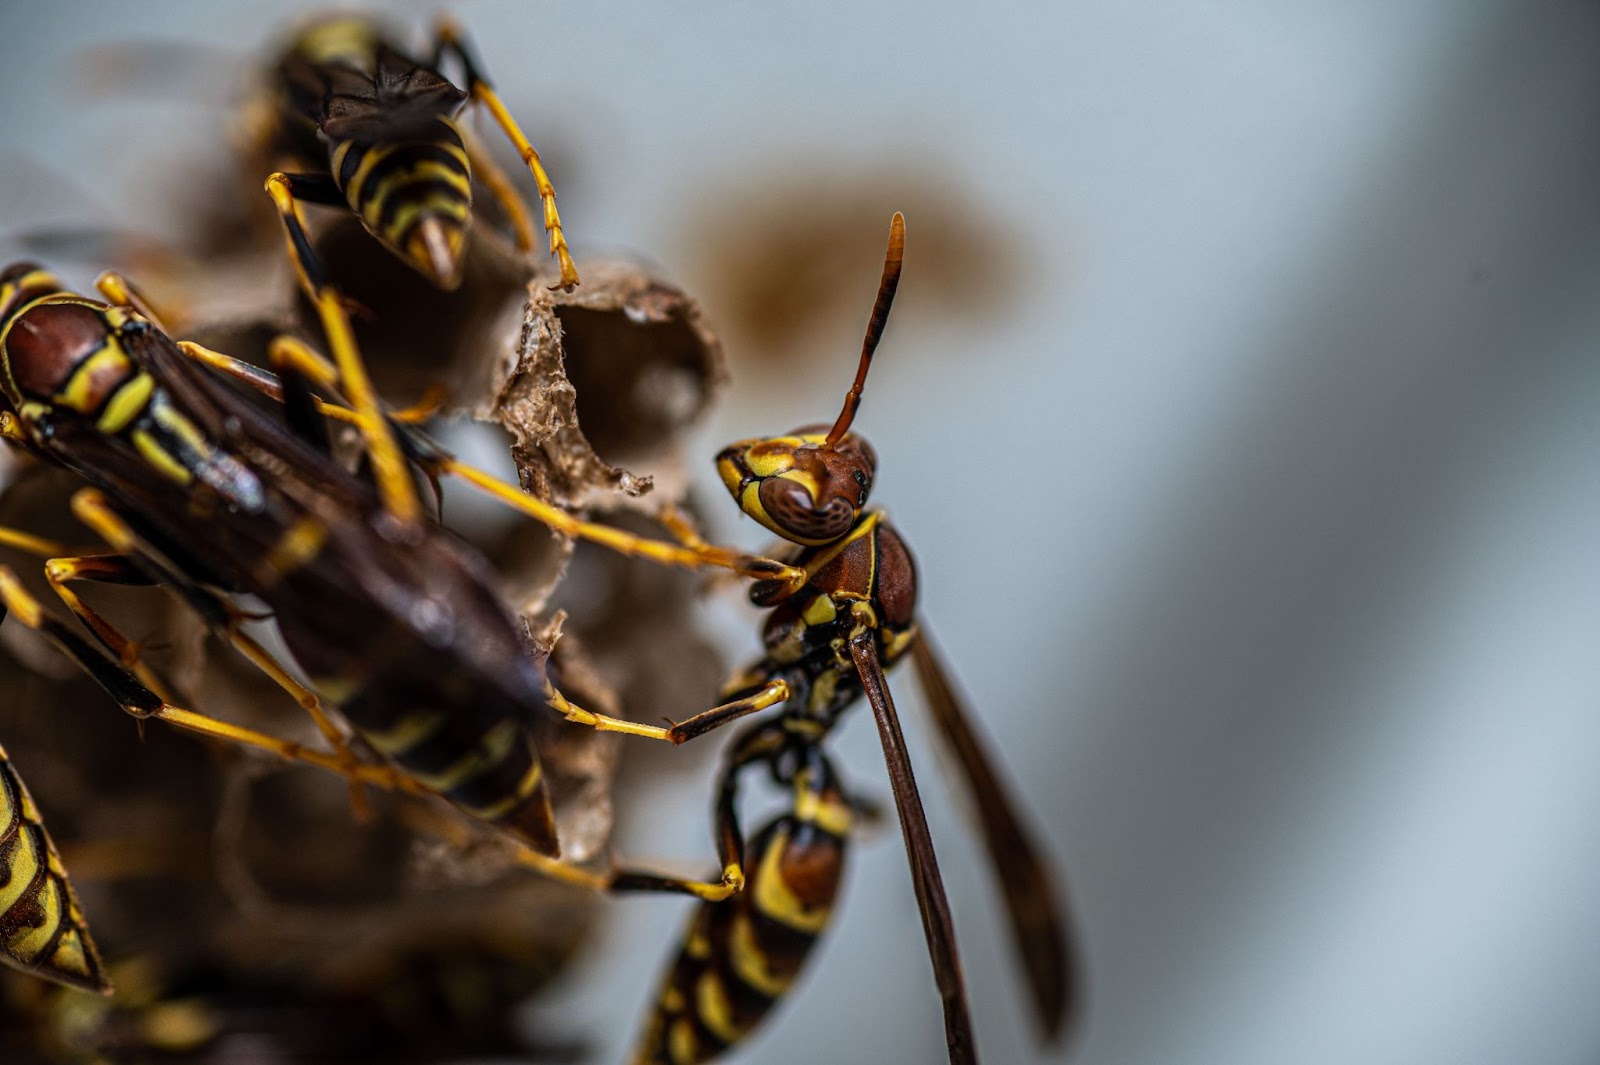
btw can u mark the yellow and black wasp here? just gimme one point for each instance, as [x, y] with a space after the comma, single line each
[42, 928]
[829, 638]
[377, 132]
[199, 491]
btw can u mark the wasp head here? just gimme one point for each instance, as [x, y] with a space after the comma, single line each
[801, 487]
[809, 487]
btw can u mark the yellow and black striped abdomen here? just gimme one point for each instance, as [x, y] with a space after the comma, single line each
[740, 956]
[484, 762]
[414, 196]
[42, 930]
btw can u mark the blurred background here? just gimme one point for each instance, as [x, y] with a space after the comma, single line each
[1241, 406]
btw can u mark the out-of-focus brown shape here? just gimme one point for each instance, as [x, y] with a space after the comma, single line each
[769, 252]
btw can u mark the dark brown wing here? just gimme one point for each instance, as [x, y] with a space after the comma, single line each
[1038, 929]
[936, 921]
[403, 100]
[396, 99]
[236, 422]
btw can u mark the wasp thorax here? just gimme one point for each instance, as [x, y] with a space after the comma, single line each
[798, 486]
[50, 351]
[20, 285]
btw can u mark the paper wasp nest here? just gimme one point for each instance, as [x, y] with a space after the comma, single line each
[239, 901]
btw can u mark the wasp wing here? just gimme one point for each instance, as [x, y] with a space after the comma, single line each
[1038, 928]
[937, 924]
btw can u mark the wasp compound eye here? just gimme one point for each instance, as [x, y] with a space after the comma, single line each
[795, 511]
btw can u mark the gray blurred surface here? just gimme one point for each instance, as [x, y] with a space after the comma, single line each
[1260, 525]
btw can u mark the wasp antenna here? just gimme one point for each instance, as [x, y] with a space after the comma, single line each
[880, 317]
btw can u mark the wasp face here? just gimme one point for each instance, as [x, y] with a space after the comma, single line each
[798, 486]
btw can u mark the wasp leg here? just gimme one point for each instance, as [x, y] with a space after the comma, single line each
[18, 540]
[449, 38]
[755, 748]
[682, 529]
[118, 290]
[691, 551]
[90, 507]
[746, 565]
[271, 385]
[142, 703]
[772, 693]
[677, 523]
[388, 462]
[298, 368]
[105, 569]
[500, 187]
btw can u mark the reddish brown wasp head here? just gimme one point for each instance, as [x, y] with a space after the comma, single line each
[809, 487]
[800, 486]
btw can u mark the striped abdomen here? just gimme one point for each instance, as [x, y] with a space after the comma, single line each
[486, 765]
[42, 930]
[414, 196]
[740, 956]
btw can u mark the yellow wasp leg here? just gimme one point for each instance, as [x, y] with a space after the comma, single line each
[89, 507]
[60, 570]
[34, 545]
[142, 703]
[623, 542]
[425, 407]
[308, 701]
[388, 462]
[732, 883]
[500, 187]
[691, 552]
[774, 692]
[119, 291]
[449, 36]
[682, 529]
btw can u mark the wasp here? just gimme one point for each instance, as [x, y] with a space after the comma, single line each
[378, 132]
[42, 927]
[829, 639]
[199, 491]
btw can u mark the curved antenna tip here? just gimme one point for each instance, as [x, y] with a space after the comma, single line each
[880, 317]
